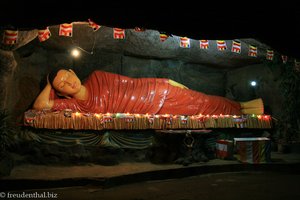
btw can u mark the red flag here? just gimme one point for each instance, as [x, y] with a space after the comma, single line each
[119, 33]
[10, 37]
[185, 42]
[284, 58]
[204, 44]
[44, 35]
[94, 25]
[163, 37]
[66, 30]
[221, 44]
[252, 51]
[270, 54]
[236, 47]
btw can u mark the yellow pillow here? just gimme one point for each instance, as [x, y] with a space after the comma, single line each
[174, 83]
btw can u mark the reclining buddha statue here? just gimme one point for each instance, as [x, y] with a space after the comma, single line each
[105, 92]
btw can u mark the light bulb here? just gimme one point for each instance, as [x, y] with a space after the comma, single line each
[253, 83]
[75, 53]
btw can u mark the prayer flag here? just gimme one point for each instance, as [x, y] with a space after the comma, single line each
[284, 58]
[119, 33]
[252, 51]
[221, 44]
[270, 54]
[10, 37]
[163, 37]
[204, 44]
[66, 30]
[184, 42]
[236, 46]
[44, 35]
[94, 25]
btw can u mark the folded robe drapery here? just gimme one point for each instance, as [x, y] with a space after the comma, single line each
[114, 93]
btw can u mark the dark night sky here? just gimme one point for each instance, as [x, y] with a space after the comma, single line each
[275, 25]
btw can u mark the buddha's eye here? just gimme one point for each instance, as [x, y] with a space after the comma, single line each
[61, 85]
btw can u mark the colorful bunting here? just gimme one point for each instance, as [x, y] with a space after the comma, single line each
[252, 51]
[184, 42]
[284, 58]
[94, 25]
[66, 30]
[44, 35]
[236, 46]
[119, 33]
[221, 45]
[10, 37]
[204, 44]
[163, 37]
[270, 54]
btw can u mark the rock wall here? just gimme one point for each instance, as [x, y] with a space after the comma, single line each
[25, 65]
[267, 78]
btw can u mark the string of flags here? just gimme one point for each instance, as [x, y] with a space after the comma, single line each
[93, 25]
[119, 33]
[236, 46]
[44, 35]
[270, 54]
[10, 37]
[204, 44]
[66, 30]
[252, 51]
[185, 42]
[221, 45]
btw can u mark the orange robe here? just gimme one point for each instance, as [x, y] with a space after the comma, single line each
[114, 93]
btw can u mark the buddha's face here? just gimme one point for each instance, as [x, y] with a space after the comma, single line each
[66, 82]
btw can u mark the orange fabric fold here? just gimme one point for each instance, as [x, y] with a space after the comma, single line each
[114, 93]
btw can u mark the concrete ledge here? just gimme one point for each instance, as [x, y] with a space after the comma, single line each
[106, 182]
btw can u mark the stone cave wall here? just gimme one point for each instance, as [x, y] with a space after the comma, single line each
[141, 54]
[267, 78]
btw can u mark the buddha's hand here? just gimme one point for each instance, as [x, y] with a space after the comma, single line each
[176, 84]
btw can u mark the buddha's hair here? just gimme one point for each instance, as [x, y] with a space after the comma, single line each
[52, 75]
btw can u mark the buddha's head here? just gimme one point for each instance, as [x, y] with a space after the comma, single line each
[65, 82]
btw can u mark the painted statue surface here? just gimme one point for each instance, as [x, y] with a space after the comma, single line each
[105, 92]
